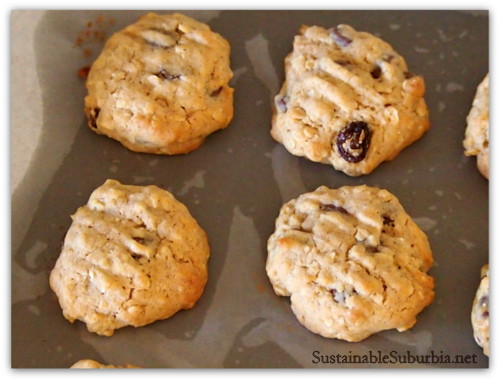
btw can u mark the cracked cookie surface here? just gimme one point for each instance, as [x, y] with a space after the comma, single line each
[480, 315]
[160, 85]
[352, 262]
[348, 100]
[133, 255]
[477, 137]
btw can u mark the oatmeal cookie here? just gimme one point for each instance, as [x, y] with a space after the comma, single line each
[348, 100]
[477, 136]
[133, 255]
[480, 315]
[160, 85]
[352, 262]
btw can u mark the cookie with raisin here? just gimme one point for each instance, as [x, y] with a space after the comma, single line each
[132, 255]
[480, 315]
[477, 135]
[161, 85]
[352, 262]
[348, 100]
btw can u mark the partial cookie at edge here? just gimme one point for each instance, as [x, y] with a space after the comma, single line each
[480, 315]
[92, 364]
[476, 142]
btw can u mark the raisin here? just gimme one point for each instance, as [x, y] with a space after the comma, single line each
[163, 74]
[281, 103]
[353, 141]
[376, 73]
[388, 221]
[339, 38]
[332, 208]
[484, 301]
[339, 297]
[92, 117]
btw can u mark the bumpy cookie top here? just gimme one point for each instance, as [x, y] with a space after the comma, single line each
[133, 255]
[477, 134]
[480, 315]
[160, 85]
[352, 261]
[92, 364]
[348, 100]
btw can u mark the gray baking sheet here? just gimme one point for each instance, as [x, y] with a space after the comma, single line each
[234, 185]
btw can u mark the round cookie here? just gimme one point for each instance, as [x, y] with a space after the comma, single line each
[348, 100]
[476, 142]
[480, 315]
[133, 255]
[352, 262]
[92, 364]
[160, 85]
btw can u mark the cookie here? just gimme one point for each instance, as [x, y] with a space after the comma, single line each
[161, 85]
[133, 255]
[348, 100]
[480, 315]
[92, 364]
[352, 262]
[476, 142]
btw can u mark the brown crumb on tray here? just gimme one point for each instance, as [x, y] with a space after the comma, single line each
[83, 72]
[95, 31]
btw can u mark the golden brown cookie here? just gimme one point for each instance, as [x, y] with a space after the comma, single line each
[133, 255]
[160, 85]
[352, 262]
[348, 100]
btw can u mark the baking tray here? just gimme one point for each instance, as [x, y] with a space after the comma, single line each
[234, 185]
